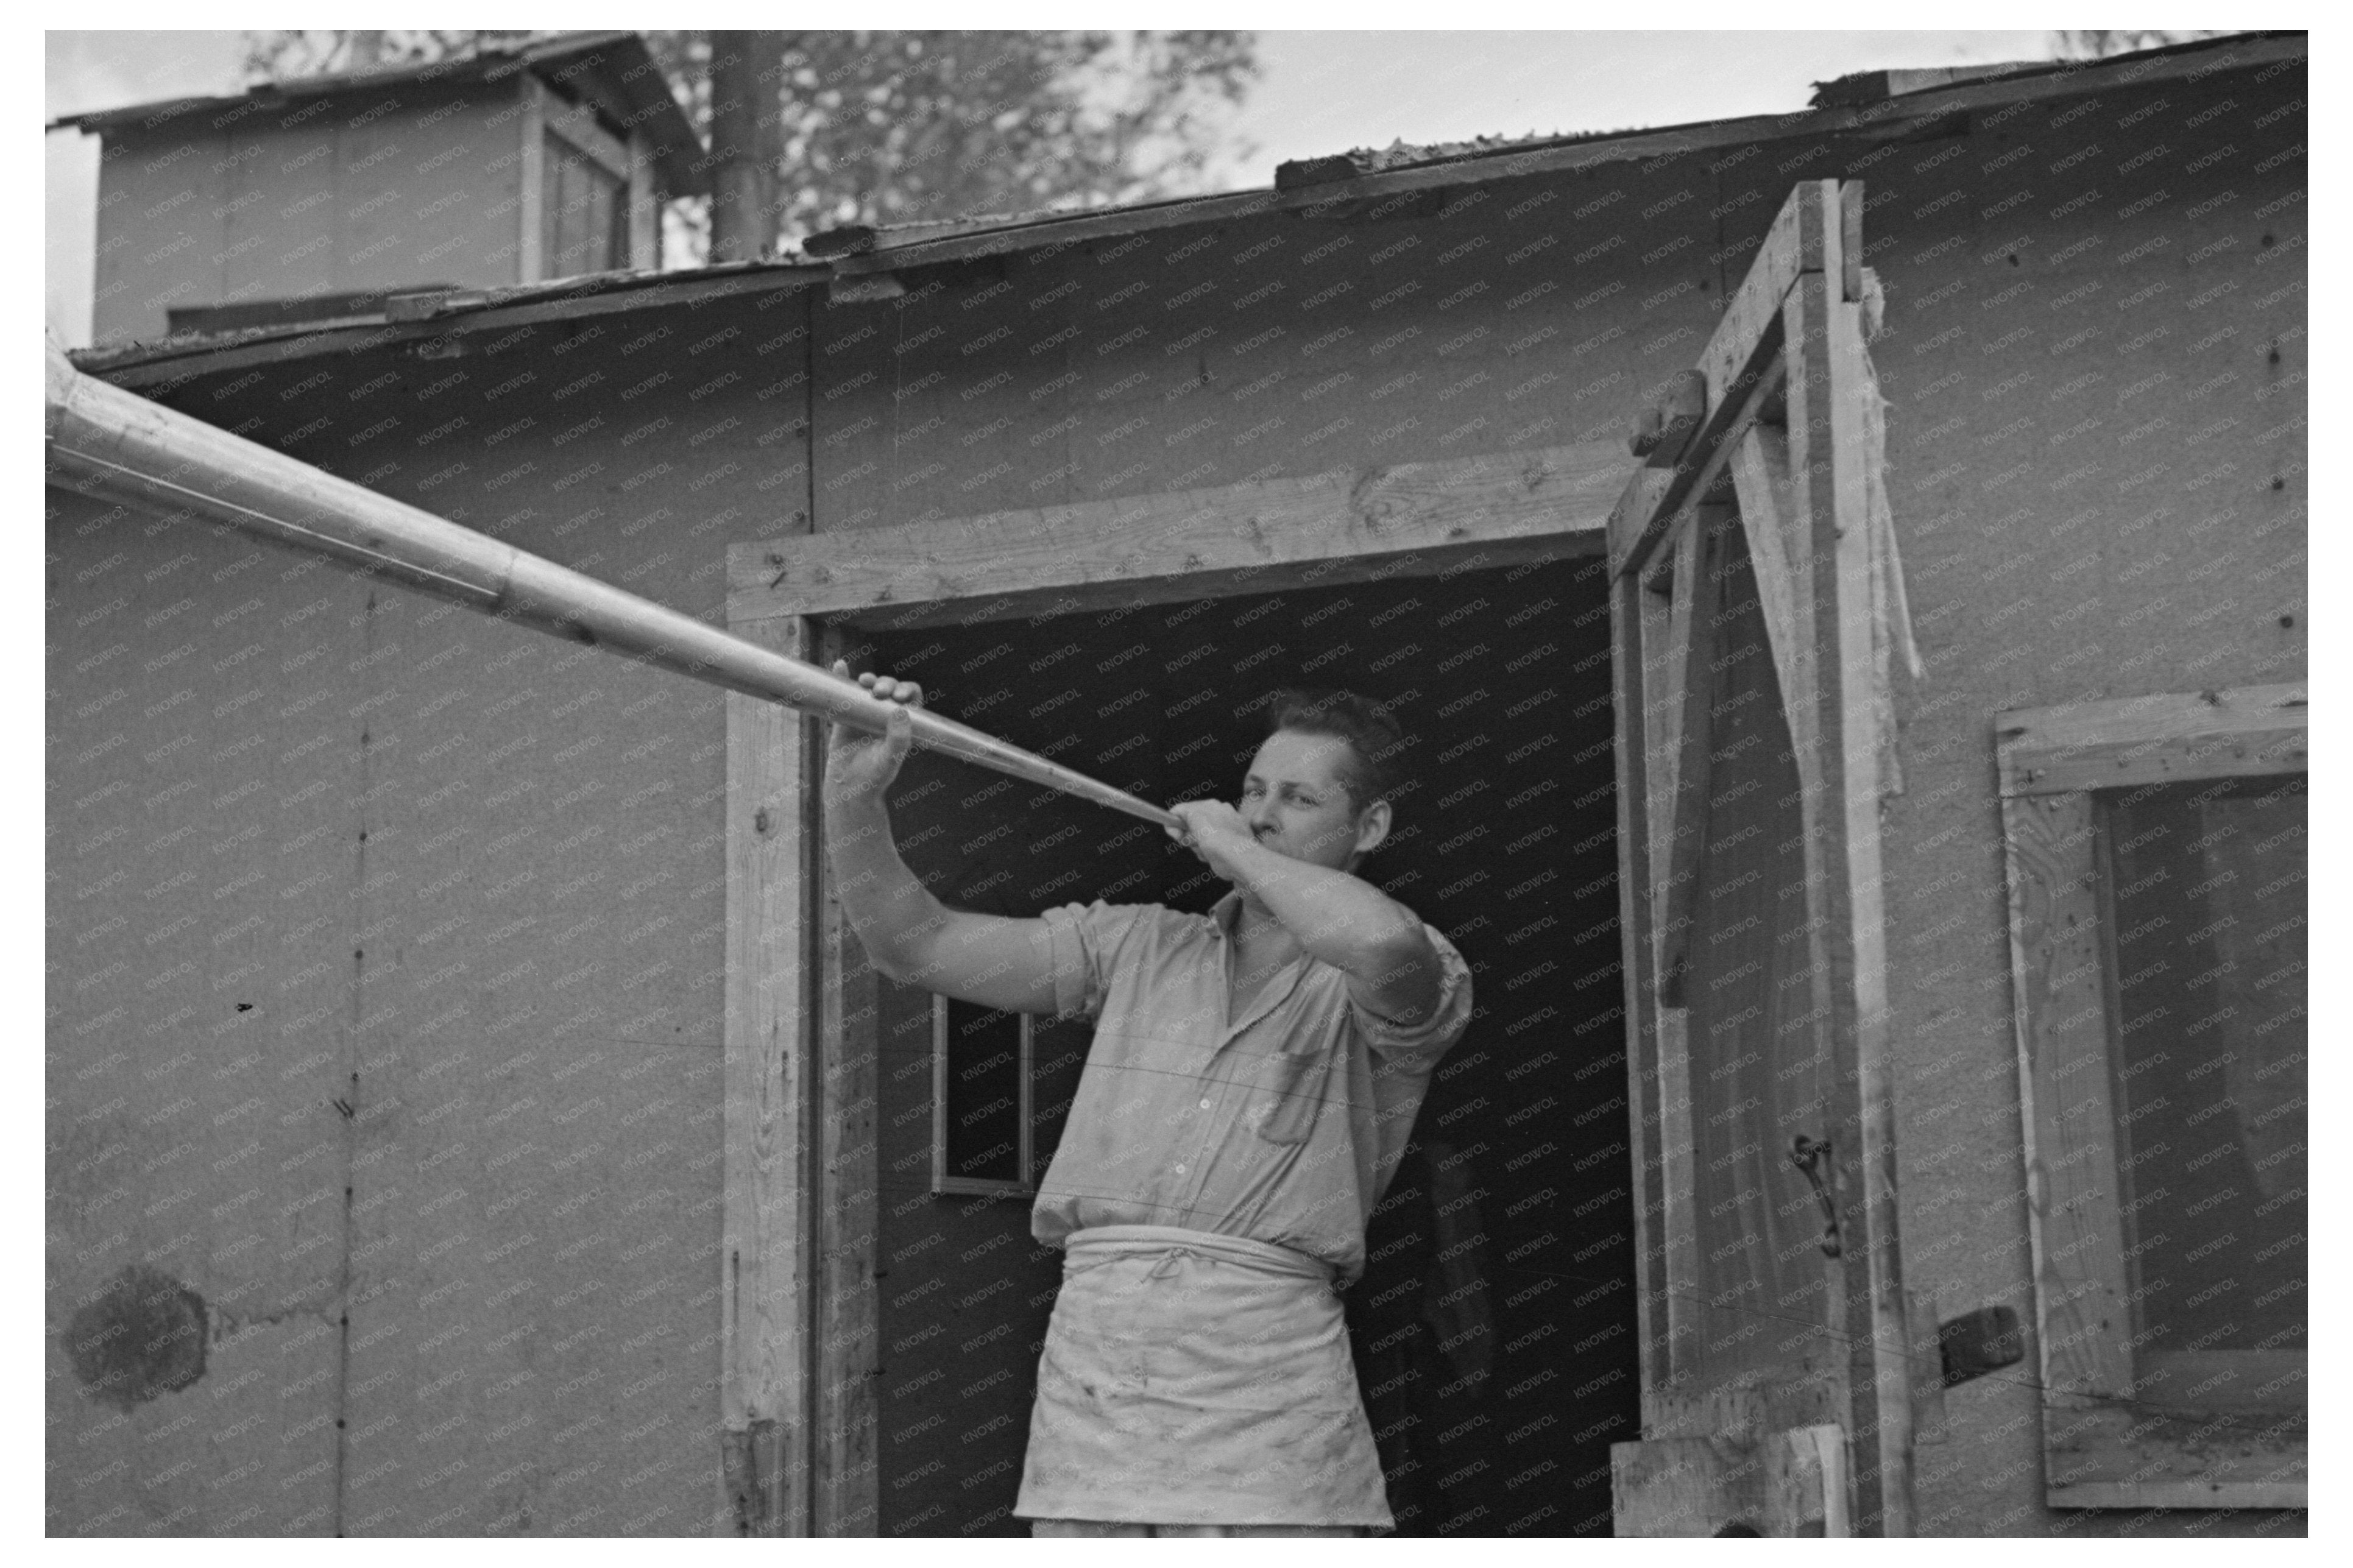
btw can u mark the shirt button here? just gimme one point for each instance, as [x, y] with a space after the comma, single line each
[1180, 1170]
[1205, 1105]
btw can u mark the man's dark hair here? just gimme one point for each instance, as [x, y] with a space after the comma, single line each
[1376, 745]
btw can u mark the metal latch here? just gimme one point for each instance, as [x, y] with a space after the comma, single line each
[1812, 1155]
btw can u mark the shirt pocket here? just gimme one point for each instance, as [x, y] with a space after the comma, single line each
[1289, 1094]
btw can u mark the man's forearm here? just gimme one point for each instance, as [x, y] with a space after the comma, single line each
[1340, 919]
[885, 902]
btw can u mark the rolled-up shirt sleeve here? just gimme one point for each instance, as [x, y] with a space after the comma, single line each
[1420, 1045]
[1085, 940]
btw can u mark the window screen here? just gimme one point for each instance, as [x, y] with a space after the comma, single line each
[2207, 889]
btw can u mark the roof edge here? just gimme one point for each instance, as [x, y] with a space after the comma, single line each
[1891, 117]
[678, 150]
[426, 314]
[866, 249]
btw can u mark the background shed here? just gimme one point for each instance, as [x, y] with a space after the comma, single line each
[324, 196]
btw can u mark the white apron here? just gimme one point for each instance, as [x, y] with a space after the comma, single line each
[1189, 1378]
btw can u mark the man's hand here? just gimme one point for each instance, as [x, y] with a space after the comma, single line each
[1213, 830]
[860, 766]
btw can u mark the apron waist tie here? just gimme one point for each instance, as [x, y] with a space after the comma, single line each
[1100, 1244]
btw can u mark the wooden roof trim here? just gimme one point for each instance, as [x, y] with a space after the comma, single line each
[1890, 118]
[1049, 235]
[488, 63]
[147, 364]
[639, 99]
[1859, 88]
[165, 363]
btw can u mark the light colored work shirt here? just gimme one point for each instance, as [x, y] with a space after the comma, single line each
[1284, 1125]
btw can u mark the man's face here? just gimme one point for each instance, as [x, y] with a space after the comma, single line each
[1295, 804]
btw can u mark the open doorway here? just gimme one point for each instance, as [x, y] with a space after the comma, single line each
[1495, 1326]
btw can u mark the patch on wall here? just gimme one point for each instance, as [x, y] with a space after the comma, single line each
[140, 1334]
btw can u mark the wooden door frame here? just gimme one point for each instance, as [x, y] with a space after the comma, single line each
[1791, 336]
[800, 1311]
[765, 1226]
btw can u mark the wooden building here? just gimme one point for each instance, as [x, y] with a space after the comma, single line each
[324, 196]
[469, 1113]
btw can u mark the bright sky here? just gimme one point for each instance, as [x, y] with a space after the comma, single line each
[1319, 92]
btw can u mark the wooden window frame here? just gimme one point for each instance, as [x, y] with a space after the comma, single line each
[2100, 1449]
[1025, 1157]
[612, 245]
[547, 113]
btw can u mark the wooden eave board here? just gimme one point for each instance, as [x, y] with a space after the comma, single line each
[615, 90]
[1058, 233]
[173, 366]
[491, 63]
[1889, 119]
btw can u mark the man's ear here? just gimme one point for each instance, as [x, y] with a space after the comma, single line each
[1372, 827]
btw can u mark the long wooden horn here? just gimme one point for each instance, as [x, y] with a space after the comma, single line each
[102, 438]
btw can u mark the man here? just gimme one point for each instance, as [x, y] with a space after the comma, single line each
[1254, 1075]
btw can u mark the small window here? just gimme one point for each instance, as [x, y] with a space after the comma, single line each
[585, 217]
[2156, 858]
[2206, 898]
[981, 1098]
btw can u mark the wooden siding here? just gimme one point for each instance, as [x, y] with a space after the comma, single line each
[342, 192]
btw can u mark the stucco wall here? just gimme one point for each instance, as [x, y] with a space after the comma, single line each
[2096, 460]
[470, 880]
[203, 861]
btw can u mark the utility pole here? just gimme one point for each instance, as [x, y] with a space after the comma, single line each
[746, 142]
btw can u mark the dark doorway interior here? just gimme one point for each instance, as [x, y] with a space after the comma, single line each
[1495, 1327]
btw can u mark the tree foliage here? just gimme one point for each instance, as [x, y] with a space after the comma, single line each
[284, 56]
[896, 127]
[2100, 43]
